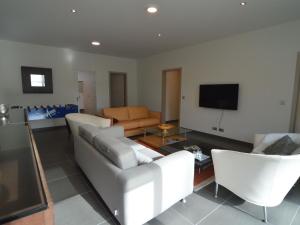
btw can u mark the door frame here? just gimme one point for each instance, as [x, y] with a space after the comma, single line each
[93, 73]
[163, 92]
[296, 97]
[125, 87]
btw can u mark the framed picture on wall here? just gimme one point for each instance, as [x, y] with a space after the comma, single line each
[36, 79]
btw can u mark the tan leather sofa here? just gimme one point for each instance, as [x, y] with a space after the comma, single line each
[132, 118]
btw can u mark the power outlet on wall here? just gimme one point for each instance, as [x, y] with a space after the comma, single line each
[221, 129]
[214, 128]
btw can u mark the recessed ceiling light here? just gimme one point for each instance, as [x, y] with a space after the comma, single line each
[243, 3]
[152, 9]
[159, 34]
[96, 43]
[73, 10]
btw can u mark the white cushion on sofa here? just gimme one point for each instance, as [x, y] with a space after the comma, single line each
[116, 151]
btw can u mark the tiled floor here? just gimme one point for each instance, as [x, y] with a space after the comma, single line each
[76, 202]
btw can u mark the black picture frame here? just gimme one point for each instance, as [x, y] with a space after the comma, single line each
[26, 71]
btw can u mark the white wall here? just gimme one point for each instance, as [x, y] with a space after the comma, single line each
[173, 93]
[64, 63]
[263, 62]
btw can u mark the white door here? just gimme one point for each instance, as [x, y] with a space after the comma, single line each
[171, 94]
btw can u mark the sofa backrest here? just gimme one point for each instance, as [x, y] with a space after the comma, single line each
[89, 132]
[120, 113]
[116, 151]
[77, 119]
[138, 112]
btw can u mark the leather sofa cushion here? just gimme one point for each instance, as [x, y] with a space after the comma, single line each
[88, 132]
[130, 124]
[148, 122]
[116, 151]
[120, 113]
[138, 112]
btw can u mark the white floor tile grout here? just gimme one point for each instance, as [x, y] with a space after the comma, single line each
[293, 219]
[182, 216]
[219, 206]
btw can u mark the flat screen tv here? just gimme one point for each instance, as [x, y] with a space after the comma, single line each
[219, 96]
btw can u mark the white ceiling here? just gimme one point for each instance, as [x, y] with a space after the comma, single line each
[125, 29]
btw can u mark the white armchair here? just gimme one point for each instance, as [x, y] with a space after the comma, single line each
[260, 179]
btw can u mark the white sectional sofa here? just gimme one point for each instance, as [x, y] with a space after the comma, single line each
[136, 183]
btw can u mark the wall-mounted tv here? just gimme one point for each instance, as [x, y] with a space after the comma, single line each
[219, 96]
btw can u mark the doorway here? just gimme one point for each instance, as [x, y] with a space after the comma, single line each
[171, 95]
[118, 89]
[87, 92]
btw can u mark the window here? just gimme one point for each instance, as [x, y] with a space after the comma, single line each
[37, 80]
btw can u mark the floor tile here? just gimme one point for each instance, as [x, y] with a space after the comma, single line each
[196, 207]
[169, 217]
[60, 170]
[68, 187]
[279, 215]
[53, 158]
[228, 215]
[296, 219]
[78, 210]
[223, 193]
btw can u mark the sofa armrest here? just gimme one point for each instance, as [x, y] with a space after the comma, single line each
[112, 120]
[148, 190]
[154, 114]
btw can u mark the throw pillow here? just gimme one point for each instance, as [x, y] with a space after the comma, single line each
[283, 146]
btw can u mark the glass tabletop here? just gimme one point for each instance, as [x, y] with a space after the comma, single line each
[172, 131]
[14, 116]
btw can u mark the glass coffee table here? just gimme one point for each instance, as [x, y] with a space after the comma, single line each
[157, 136]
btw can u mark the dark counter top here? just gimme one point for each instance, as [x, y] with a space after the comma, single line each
[21, 191]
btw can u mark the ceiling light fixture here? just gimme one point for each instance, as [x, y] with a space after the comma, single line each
[243, 3]
[159, 35]
[152, 9]
[73, 10]
[96, 43]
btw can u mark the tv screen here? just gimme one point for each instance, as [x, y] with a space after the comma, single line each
[219, 96]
